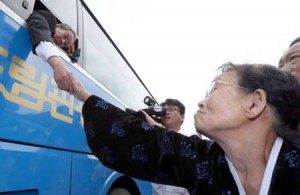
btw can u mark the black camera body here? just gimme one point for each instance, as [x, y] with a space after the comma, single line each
[155, 111]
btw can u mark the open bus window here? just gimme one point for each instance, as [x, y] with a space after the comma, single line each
[73, 51]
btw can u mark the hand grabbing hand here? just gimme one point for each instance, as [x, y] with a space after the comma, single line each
[78, 90]
[61, 73]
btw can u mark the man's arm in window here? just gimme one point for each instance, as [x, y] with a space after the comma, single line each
[50, 53]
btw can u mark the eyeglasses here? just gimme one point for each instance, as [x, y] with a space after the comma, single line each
[172, 109]
[213, 87]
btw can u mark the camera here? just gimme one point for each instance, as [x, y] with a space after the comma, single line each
[154, 110]
[149, 101]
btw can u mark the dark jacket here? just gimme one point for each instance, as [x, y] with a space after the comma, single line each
[41, 25]
[131, 146]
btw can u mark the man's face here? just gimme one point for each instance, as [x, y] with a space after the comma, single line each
[63, 38]
[172, 119]
[290, 61]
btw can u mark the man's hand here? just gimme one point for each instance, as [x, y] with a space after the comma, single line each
[79, 91]
[61, 73]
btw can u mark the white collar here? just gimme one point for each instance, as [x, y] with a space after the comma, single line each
[268, 172]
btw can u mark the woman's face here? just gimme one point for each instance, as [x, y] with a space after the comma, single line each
[222, 109]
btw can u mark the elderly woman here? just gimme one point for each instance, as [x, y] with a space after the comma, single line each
[252, 114]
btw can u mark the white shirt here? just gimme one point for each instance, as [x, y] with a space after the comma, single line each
[46, 49]
[268, 172]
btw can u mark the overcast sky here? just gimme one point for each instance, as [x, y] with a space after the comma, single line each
[176, 46]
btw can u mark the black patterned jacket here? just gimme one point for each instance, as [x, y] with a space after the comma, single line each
[131, 146]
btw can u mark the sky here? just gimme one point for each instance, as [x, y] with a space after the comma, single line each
[176, 46]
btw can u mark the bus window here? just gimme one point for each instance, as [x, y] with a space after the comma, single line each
[64, 10]
[104, 62]
[73, 52]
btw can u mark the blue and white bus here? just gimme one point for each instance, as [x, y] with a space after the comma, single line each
[43, 149]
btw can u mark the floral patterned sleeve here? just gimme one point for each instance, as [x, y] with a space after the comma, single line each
[131, 146]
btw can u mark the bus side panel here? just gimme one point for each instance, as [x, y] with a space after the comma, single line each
[88, 175]
[34, 110]
[40, 170]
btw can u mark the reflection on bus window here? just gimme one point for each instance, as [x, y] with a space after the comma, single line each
[104, 62]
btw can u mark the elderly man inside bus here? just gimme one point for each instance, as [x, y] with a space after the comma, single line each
[44, 31]
[250, 113]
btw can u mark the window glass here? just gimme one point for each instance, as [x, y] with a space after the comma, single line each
[103, 61]
[64, 10]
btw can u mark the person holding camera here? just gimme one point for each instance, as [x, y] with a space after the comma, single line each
[171, 120]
